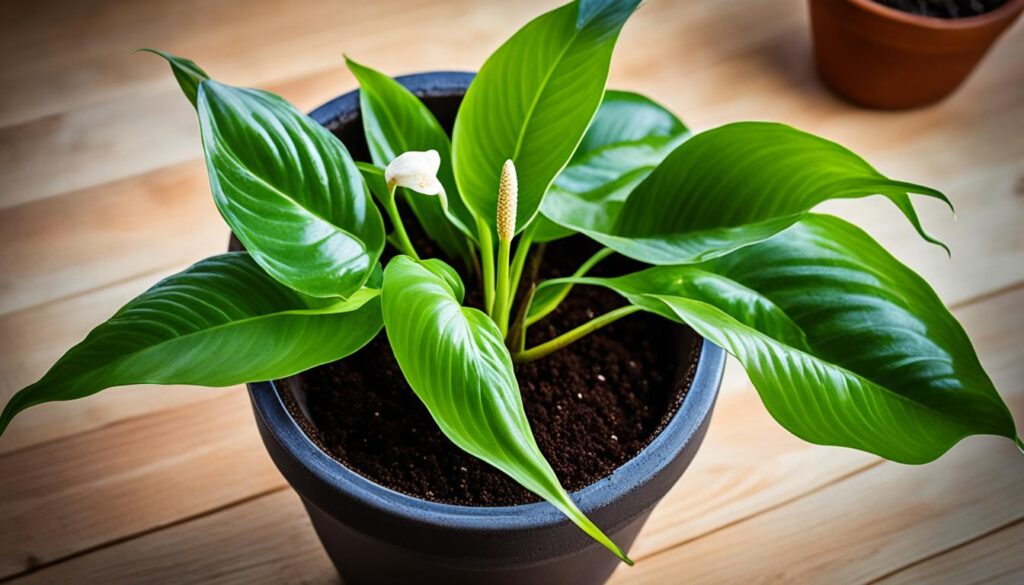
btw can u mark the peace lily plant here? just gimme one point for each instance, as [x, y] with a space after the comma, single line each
[845, 345]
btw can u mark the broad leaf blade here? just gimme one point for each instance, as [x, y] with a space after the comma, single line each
[287, 187]
[734, 186]
[532, 102]
[222, 322]
[455, 360]
[396, 121]
[591, 190]
[628, 138]
[627, 117]
[845, 345]
[289, 190]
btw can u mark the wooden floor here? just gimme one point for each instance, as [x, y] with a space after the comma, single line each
[102, 192]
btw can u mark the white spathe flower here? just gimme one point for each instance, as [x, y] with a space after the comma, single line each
[415, 170]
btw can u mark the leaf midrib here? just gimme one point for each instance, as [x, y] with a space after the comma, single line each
[543, 87]
[229, 153]
[291, 312]
[828, 364]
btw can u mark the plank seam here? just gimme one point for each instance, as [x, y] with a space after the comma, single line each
[945, 551]
[765, 510]
[43, 565]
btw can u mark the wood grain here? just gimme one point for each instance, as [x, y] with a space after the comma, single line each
[860, 528]
[103, 192]
[993, 559]
[129, 478]
[268, 540]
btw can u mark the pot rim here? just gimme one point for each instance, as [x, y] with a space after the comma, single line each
[1007, 10]
[685, 425]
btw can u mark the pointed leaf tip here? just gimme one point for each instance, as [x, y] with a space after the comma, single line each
[188, 74]
[589, 10]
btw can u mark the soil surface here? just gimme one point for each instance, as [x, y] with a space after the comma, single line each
[944, 8]
[592, 406]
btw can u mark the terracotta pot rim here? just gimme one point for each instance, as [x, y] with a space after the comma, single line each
[935, 23]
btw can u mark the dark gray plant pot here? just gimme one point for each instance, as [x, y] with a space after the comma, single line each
[376, 535]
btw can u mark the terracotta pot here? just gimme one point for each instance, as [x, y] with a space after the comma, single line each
[881, 57]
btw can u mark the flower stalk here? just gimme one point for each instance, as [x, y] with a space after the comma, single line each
[401, 237]
[417, 171]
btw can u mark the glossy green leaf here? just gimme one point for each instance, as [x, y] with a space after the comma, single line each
[629, 137]
[845, 345]
[532, 102]
[223, 321]
[455, 360]
[396, 121]
[288, 188]
[591, 190]
[734, 186]
[625, 116]
[186, 72]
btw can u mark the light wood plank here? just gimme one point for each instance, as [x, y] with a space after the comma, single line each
[271, 541]
[86, 240]
[994, 559]
[861, 528]
[63, 58]
[139, 474]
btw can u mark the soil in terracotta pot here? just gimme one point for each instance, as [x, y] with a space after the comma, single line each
[944, 8]
[592, 406]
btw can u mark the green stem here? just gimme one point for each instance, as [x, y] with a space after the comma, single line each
[522, 250]
[501, 293]
[548, 347]
[404, 243]
[564, 291]
[516, 340]
[487, 262]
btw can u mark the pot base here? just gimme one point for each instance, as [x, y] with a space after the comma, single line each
[364, 560]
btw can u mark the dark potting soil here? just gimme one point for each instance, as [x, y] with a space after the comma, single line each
[944, 8]
[592, 406]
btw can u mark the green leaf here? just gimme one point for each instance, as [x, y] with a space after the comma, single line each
[532, 102]
[188, 74]
[627, 117]
[289, 190]
[734, 186]
[845, 345]
[222, 322]
[455, 360]
[287, 187]
[591, 190]
[396, 121]
[629, 137]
